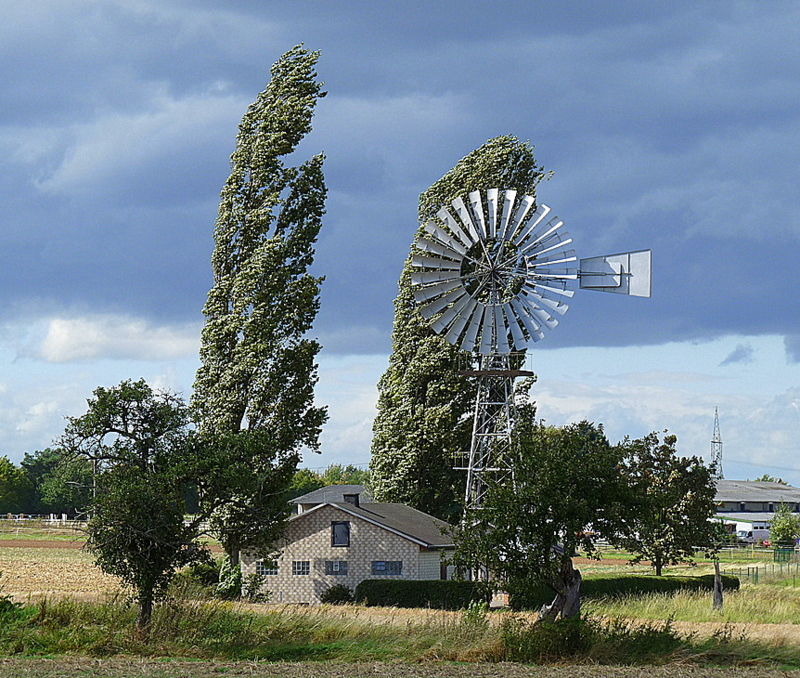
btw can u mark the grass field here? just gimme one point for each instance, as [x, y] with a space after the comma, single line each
[71, 622]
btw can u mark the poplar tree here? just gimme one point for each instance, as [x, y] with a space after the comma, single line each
[258, 365]
[424, 405]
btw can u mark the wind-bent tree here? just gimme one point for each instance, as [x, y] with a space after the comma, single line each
[673, 500]
[139, 442]
[567, 493]
[258, 368]
[424, 405]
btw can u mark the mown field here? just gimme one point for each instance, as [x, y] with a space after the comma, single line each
[78, 624]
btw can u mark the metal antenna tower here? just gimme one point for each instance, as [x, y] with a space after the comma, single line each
[716, 448]
[489, 273]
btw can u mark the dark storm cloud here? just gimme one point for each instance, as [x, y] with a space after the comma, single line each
[670, 125]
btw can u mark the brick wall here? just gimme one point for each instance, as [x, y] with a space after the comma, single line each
[308, 538]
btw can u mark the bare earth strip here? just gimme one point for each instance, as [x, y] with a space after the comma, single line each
[124, 668]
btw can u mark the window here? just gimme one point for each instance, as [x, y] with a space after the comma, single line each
[266, 567]
[336, 567]
[301, 567]
[387, 567]
[340, 533]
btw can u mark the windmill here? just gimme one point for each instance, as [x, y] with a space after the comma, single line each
[491, 273]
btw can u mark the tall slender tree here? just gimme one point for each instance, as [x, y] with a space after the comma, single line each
[258, 366]
[424, 405]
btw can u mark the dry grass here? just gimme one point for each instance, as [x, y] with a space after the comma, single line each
[29, 573]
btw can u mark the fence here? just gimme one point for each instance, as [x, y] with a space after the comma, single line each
[777, 570]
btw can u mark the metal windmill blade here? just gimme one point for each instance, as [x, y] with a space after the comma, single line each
[490, 271]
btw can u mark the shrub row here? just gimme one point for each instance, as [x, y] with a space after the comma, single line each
[433, 593]
[531, 595]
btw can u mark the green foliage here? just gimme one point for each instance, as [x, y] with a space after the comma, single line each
[66, 486]
[338, 594]
[246, 494]
[433, 593]
[15, 488]
[229, 586]
[139, 440]
[567, 493]
[584, 639]
[252, 588]
[767, 478]
[258, 367]
[336, 474]
[785, 526]
[532, 595]
[672, 502]
[424, 405]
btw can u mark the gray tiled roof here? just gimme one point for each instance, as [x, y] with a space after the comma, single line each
[416, 525]
[751, 490]
[332, 494]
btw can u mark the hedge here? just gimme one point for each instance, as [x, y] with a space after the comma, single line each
[532, 595]
[433, 593]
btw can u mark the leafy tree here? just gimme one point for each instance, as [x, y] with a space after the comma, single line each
[145, 456]
[15, 487]
[567, 493]
[673, 500]
[767, 478]
[785, 526]
[304, 481]
[61, 483]
[424, 405]
[258, 369]
[336, 474]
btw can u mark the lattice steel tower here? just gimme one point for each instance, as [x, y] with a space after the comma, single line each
[489, 276]
[716, 448]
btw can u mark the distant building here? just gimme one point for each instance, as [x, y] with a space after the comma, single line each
[748, 506]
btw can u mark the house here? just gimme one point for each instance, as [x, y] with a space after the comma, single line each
[349, 540]
[747, 507]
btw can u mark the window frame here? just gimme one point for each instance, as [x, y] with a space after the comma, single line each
[388, 568]
[336, 568]
[267, 568]
[301, 568]
[334, 525]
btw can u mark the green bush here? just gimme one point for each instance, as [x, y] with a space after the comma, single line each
[613, 641]
[434, 593]
[531, 595]
[338, 594]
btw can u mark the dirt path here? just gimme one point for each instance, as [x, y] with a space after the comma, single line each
[69, 667]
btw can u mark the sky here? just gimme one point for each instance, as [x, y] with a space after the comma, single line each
[668, 125]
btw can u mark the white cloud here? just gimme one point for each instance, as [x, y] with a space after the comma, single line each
[115, 337]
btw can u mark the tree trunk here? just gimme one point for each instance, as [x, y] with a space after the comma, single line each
[567, 602]
[145, 615]
[717, 604]
[659, 565]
